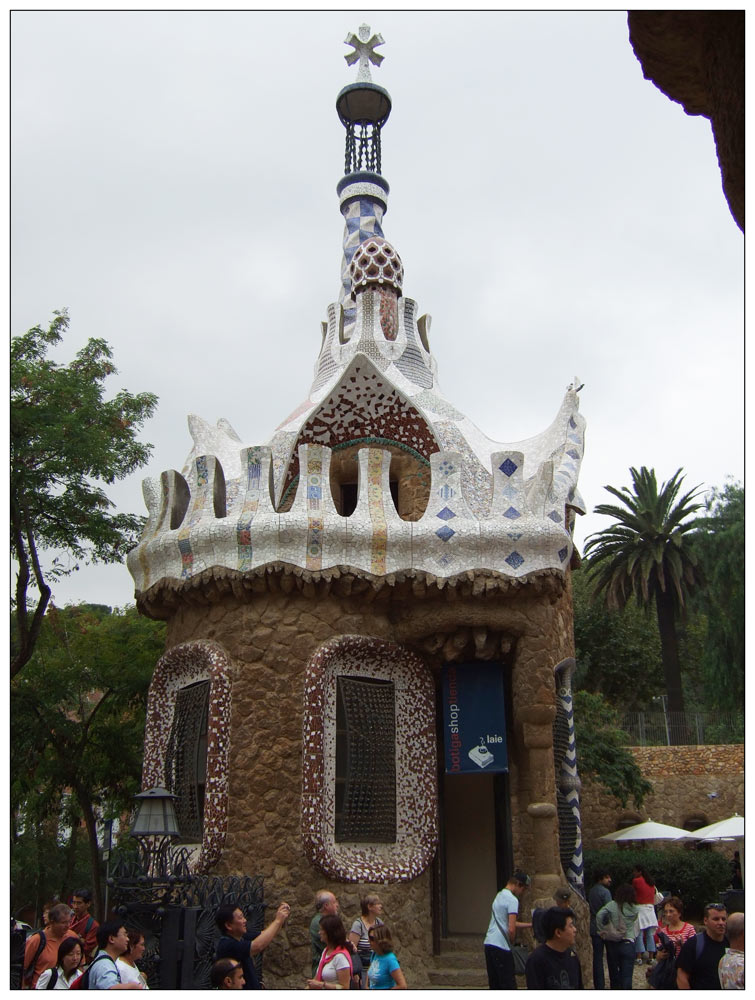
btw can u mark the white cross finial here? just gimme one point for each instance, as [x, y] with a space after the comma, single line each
[364, 51]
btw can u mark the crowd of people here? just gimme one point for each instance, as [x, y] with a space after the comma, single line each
[636, 925]
[73, 951]
[625, 931]
[363, 958]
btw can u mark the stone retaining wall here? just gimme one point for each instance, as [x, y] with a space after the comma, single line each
[704, 782]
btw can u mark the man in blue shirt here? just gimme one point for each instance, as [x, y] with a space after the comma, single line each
[103, 973]
[235, 943]
[502, 931]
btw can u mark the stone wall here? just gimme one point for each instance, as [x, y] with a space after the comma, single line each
[683, 780]
[272, 633]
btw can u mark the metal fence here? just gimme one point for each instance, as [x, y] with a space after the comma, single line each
[655, 729]
[176, 915]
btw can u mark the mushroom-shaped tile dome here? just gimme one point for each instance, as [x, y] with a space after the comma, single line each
[375, 262]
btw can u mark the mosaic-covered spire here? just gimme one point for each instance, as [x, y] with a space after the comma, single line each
[363, 108]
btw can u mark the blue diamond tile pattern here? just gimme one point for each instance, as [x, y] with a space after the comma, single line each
[562, 553]
[514, 560]
[445, 514]
[445, 533]
[573, 453]
[555, 516]
[508, 468]
[512, 513]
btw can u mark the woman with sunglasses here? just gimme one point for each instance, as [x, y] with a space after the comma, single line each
[384, 972]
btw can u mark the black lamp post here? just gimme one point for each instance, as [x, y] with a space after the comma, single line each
[155, 827]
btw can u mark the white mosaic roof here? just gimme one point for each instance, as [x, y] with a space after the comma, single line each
[495, 509]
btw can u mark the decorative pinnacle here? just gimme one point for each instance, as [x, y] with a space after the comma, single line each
[364, 51]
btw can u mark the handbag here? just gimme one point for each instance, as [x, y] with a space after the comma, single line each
[519, 953]
[658, 897]
[608, 930]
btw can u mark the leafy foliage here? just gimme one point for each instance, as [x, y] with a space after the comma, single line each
[719, 545]
[77, 719]
[66, 439]
[697, 877]
[645, 554]
[601, 750]
[618, 652]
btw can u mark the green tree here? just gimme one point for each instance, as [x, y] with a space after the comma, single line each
[718, 542]
[66, 441]
[77, 720]
[645, 554]
[618, 652]
[602, 753]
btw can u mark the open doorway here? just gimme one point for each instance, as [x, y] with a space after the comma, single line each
[476, 854]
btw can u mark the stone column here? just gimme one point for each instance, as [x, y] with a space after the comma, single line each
[535, 709]
[569, 785]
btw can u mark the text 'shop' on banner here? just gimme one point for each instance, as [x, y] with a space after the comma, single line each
[474, 719]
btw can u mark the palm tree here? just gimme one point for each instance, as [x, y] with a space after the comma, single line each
[646, 554]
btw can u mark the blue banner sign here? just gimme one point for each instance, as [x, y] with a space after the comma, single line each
[474, 719]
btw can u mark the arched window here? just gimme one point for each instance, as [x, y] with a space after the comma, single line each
[186, 758]
[365, 792]
[187, 739]
[369, 795]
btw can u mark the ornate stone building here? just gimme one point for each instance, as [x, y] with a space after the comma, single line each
[329, 595]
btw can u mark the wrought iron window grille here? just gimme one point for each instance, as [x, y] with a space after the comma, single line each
[365, 792]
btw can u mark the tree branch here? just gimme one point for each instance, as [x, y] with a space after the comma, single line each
[29, 634]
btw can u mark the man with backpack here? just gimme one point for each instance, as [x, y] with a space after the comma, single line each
[697, 964]
[84, 923]
[103, 974]
[41, 950]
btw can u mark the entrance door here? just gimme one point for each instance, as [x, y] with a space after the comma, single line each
[476, 855]
[470, 851]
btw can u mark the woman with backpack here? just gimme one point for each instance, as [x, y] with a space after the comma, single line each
[360, 929]
[617, 925]
[334, 970]
[67, 968]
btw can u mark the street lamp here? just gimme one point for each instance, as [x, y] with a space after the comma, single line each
[155, 827]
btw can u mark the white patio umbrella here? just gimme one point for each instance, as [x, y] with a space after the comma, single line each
[725, 829]
[732, 828]
[646, 831]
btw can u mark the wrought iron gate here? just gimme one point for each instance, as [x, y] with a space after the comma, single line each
[176, 915]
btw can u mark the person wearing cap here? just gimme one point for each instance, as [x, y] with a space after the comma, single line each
[499, 960]
[561, 898]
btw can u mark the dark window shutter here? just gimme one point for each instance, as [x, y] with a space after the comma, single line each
[365, 761]
[186, 759]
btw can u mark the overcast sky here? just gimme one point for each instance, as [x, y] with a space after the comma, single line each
[173, 185]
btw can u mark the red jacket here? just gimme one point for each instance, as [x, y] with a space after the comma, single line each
[645, 893]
